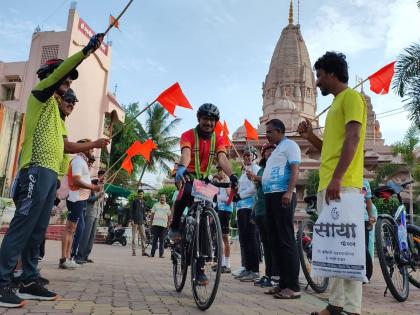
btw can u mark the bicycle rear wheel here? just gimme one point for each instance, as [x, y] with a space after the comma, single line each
[304, 243]
[206, 255]
[179, 266]
[413, 235]
[394, 271]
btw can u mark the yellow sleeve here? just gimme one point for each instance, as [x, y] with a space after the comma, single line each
[353, 107]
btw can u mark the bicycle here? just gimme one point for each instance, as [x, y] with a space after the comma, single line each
[398, 245]
[304, 243]
[200, 246]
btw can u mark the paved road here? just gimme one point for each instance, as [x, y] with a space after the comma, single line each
[118, 283]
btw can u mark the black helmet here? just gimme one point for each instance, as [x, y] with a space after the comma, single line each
[70, 96]
[208, 110]
[50, 65]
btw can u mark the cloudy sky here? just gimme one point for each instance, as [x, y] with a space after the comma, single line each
[220, 50]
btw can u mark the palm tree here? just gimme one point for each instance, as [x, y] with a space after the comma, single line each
[407, 79]
[159, 128]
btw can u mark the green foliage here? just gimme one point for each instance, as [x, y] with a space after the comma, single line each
[382, 172]
[386, 207]
[408, 146]
[168, 190]
[149, 200]
[236, 167]
[407, 80]
[312, 182]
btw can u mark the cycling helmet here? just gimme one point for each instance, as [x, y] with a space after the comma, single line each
[266, 146]
[50, 65]
[70, 96]
[208, 110]
[251, 150]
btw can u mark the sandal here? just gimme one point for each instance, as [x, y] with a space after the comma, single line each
[333, 310]
[273, 291]
[287, 294]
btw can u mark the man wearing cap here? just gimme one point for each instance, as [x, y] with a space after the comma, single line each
[40, 163]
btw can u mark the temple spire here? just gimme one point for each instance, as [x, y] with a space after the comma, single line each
[291, 12]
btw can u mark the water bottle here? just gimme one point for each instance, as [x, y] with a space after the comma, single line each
[402, 236]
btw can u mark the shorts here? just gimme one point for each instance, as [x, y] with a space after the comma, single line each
[224, 218]
[75, 210]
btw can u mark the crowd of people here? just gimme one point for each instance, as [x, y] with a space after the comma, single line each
[264, 193]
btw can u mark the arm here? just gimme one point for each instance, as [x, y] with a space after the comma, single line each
[306, 131]
[46, 88]
[74, 147]
[224, 163]
[287, 196]
[77, 181]
[92, 198]
[350, 144]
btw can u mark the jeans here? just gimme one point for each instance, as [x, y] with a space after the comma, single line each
[248, 238]
[158, 234]
[281, 236]
[34, 200]
[88, 238]
[270, 265]
[78, 234]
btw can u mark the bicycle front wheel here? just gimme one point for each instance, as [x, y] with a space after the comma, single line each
[179, 266]
[304, 244]
[206, 259]
[393, 269]
[413, 235]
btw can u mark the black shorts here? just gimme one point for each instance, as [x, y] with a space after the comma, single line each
[224, 218]
[75, 210]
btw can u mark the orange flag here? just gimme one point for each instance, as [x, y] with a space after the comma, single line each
[173, 97]
[127, 165]
[226, 134]
[251, 132]
[143, 149]
[218, 129]
[225, 127]
[113, 21]
[381, 79]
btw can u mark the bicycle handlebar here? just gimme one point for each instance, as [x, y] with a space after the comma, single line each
[408, 182]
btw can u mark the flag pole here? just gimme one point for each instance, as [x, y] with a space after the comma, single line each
[107, 171]
[112, 178]
[133, 119]
[118, 17]
[355, 87]
[236, 151]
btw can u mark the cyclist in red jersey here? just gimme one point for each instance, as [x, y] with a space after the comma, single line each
[209, 148]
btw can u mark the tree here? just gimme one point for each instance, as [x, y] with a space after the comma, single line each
[407, 79]
[159, 128]
[312, 182]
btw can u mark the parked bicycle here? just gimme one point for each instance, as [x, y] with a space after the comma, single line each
[304, 243]
[201, 245]
[398, 245]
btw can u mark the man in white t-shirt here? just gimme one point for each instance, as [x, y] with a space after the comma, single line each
[278, 184]
[80, 185]
[160, 221]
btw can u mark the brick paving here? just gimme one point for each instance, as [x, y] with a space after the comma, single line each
[120, 284]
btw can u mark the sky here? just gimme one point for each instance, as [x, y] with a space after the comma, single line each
[220, 50]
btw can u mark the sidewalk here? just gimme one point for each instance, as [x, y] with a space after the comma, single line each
[118, 283]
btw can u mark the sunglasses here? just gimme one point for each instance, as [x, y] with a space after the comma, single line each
[70, 100]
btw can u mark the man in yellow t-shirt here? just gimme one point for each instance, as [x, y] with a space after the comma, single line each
[341, 168]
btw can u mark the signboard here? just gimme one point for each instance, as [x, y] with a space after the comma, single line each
[339, 240]
[88, 32]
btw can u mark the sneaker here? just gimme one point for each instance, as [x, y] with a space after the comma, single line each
[15, 281]
[226, 269]
[35, 291]
[242, 274]
[8, 298]
[80, 261]
[260, 281]
[75, 264]
[174, 235]
[67, 264]
[43, 281]
[268, 283]
[40, 258]
[89, 261]
[250, 277]
[238, 271]
[214, 267]
[201, 279]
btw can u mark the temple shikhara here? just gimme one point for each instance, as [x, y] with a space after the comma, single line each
[289, 94]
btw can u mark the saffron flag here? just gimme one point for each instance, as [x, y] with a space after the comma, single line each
[143, 149]
[218, 129]
[251, 132]
[173, 97]
[113, 21]
[226, 139]
[225, 127]
[127, 165]
[381, 79]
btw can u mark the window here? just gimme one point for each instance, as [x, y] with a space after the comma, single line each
[8, 93]
[49, 52]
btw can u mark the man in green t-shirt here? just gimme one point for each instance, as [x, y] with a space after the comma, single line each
[40, 163]
[341, 169]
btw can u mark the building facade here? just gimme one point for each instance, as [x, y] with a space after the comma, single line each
[91, 116]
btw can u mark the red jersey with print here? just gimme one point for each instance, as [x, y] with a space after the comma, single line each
[188, 141]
